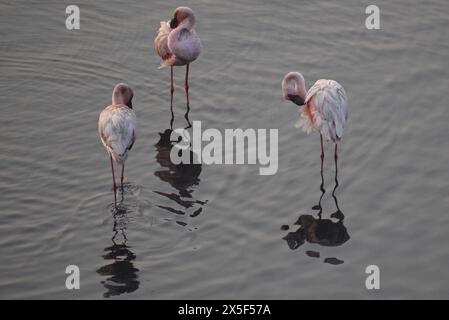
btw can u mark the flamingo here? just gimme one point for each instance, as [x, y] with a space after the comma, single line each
[178, 44]
[117, 128]
[324, 108]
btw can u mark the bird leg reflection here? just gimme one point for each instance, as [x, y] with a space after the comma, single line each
[338, 214]
[172, 119]
[113, 182]
[172, 88]
[323, 191]
[119, 275]
[186, 84]
[115, 229]
[186, 116]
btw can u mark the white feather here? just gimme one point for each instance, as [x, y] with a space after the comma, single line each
[117, 127]
[327, 102]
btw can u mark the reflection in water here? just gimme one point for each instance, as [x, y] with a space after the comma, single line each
[186, 116]
[121, 274]
[337, 214]
[323, 191]
[324, 232]
[183, 177]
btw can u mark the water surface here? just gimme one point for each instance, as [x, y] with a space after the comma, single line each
[224, 231]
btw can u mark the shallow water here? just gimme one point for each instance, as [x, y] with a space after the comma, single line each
[221, 231]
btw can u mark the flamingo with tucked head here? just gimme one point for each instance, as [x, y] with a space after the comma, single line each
[324, 108]
[117, 128]
[178, 44]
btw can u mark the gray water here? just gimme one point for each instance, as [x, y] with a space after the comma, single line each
[216, 231]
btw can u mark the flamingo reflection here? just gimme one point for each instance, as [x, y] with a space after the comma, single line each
[324, 232]
[121, 275]
[182, 177]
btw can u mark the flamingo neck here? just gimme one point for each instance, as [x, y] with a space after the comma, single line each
[117, 99]
[187, 23]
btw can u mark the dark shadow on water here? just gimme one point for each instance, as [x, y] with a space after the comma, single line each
[186, 116]
[324, 232]
[122, 276]
[316, 230]
[182, 177]
[318, 207]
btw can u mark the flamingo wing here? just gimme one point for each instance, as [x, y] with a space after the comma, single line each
[185, 45]
[133, 140]
[117, 128]
[161, 43]
[328, 105]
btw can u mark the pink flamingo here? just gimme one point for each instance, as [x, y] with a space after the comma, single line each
[324, 108]
[117, 128]
[178, 44]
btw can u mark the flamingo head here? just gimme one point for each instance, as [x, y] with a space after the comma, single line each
[180, 15]
[294, 88]
[123, 94]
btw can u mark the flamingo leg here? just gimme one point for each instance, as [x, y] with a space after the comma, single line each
[186, 84]
[172, 87]
[113, 181]
[322, 152]
[122, 175]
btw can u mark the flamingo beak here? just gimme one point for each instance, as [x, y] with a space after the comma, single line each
[130, 103]
[173, 23]
[296, 99]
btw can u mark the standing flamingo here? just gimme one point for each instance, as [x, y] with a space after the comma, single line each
[117, 128]
[178, 44]
[323, 108]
